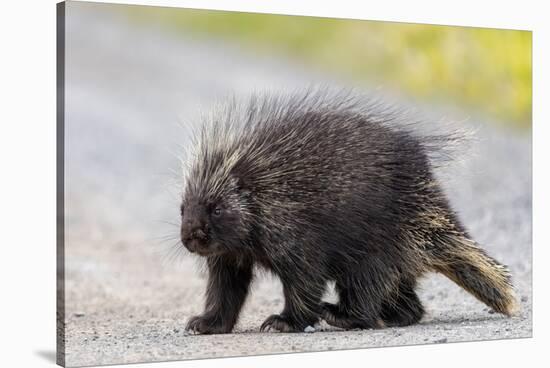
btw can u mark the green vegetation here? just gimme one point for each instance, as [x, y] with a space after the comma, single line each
[488, 70]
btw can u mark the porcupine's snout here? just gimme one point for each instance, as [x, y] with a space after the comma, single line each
[194, 232]
[196, 241]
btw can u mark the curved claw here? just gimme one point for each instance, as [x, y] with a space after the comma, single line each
[278, 322]
[206, 325]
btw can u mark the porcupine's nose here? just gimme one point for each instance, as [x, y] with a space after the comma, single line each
[198, 232]
[194, 234]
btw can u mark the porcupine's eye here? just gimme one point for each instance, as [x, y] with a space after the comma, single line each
[217, 212]
[182, 210]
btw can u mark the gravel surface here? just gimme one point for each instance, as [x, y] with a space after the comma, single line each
[131, 91]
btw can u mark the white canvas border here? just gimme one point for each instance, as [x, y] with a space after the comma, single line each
[27, 195]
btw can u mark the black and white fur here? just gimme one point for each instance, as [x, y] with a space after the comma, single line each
[322, 186]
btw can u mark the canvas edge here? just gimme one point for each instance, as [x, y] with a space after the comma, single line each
[60, 182]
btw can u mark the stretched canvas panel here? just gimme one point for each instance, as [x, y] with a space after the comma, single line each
[135, 82]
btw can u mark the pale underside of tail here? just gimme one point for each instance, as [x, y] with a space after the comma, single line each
[465, 263]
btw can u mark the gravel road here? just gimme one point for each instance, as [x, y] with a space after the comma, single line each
[131, 89]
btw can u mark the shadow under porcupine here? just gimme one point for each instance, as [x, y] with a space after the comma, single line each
[323, 186]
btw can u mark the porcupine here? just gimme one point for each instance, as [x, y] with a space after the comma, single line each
[320, 186]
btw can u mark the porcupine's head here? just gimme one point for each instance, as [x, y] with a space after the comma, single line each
[216, 207]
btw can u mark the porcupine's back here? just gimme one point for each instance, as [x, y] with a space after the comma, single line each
[328, 164]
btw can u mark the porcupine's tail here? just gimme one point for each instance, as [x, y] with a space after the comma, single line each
[464, 262]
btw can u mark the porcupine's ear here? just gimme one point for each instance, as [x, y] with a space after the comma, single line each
[240, 185]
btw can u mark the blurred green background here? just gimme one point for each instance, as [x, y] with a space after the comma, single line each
[487, 71]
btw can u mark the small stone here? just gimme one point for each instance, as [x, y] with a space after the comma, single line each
[524, 299]
[79, 314]
[309, 329]
[441, 341]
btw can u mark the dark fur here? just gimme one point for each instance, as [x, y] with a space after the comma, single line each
[319, 187]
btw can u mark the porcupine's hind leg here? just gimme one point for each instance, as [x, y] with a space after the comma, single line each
[360, 298]
[349, 314]
[302, 298]
[302, 294]
[404, 308]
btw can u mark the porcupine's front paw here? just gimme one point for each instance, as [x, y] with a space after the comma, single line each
[207, 324]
